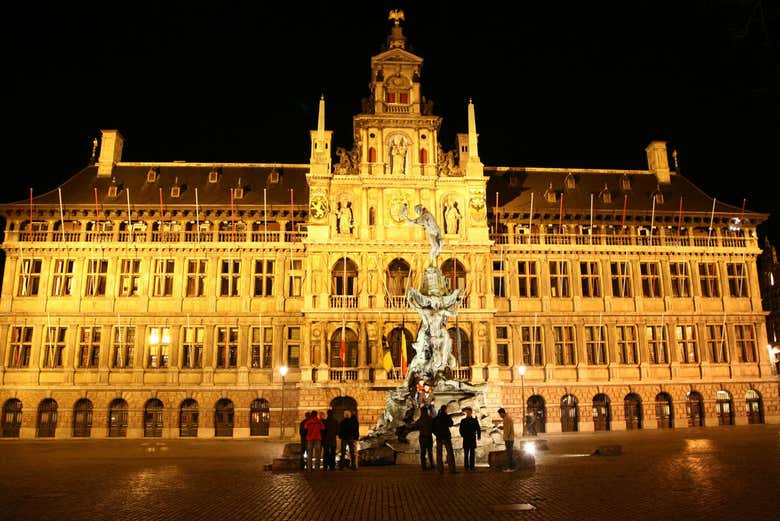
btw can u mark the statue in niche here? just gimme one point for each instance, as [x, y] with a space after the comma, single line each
[398, 151]
[344, 218]
[426, 220]
[451, 218]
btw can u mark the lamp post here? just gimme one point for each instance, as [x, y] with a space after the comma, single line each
[283, 372]
[521, 370]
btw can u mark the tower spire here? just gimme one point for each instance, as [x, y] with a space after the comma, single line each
[473, 151]
[321, 119]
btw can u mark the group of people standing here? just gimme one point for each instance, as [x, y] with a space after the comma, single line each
[439, 426]
[319, 433]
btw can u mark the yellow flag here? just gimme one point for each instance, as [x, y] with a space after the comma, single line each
[403, 353]
[387, 361]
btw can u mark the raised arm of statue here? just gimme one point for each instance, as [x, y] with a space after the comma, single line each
[426, 220]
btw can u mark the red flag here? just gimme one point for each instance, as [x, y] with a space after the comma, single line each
[343, 348]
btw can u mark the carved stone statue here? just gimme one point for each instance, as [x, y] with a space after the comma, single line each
[344, 218]
[446, 163]
[426, 220]
[348, 161]
[452, 218]
[398, 157]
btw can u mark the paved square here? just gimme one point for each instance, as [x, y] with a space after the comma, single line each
[713, 473]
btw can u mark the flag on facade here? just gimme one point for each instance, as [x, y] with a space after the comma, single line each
[343, 347]
[387, 361]
[403, 350]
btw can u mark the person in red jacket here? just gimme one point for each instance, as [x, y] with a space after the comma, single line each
[314, 428]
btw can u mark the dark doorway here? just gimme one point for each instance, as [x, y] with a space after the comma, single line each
[47, 419]
[82, 419]
[12, 418]
[695, 406]
[259, 417]
[341, 404]
[663, 411]
[724, 408]
[601, 412]
[755, 410]
[117, 419]
[188, 419]
[569, 417]
[632, 404]
[153, 419]
[223, 418]
[536, 410]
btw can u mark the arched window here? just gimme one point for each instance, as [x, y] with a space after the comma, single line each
[372, 216]
[82, 418]
[397, 276]
[223, 418]
[12, 418]
[724, 408]
[188, 418]
[755, 409]
[455, 274]
[394, 342]
[153, 418]
[117, 419]
[344, 278]
[47, 419]
[695, 409]
[536, 410]
[423, 156]
[341, 404]
[461, 346]
[350, 348]
[569, 416]
[663, 411]
[259, 417]
[632, 405]
[372, 155]
[601, 412]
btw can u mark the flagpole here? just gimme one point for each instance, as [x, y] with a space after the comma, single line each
[197, 214]
[129, 217]
[623, 220]
[560, 217]
[531, 219]
[679, 221]
[162, 215]
[265, 215]
[97, 218]
[31, 214]
[496, 225]
[591, 219]
[652, 222]
[712, 221]
[62, 215]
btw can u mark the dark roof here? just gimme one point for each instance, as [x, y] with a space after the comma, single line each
[80, 189]
[515, 185]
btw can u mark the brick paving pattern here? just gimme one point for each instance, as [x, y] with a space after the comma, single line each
[714, 473]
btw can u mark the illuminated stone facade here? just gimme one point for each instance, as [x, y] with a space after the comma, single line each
[162, 298]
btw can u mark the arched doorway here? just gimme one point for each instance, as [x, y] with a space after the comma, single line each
[632, 406]
[454, 273]
[223, 418]
[47, 419]
[82, 418]
[601, 412]
[394, 343]
[724, 408]
[350, 348]
[188, 418]
[341, 404]
[461, 346]
[695, 409]
[12, 418]
[569, 417]
[536, 410]
[663, 411]
[259, 417]
[153, 418]
[755, 409]
[117, 418]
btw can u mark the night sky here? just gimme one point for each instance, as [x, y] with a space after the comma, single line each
[586, 84]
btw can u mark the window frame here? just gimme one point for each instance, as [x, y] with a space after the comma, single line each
[560, 279]
[528, 279]
[565, 345]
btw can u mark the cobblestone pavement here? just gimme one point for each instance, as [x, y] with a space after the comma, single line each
[713, 473]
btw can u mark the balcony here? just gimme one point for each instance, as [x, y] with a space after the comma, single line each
[343, 375]
[462, 373]
[344, 301]
[395, 301]
[610, 241]
[128, 236]
[394, 108]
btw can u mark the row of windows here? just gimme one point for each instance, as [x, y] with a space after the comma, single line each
[680, 278]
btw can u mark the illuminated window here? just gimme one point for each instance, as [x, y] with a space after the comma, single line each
[162, 282]
[708, 279]
[293, 346]
[129, 277]
[502, 345]
[589, 279]
[196, 277]
[685, 338]
[559, 279]
[657, 348]
[650, 274]
[681, 280]
[21, 344]
[230, 275]
[122, 347]
[596, 344]
[527, 279]
[262, 346]
[563, 337]
[62, 278]
[745, 342]
[29, 277]
[54, 346]
[192, 347]
[264, 278]
[295, 278]
[227, 347]
[499, 278]
[736, 273]
[531, 345]
[627, 344]
[96, 277]
[89, 346]
[159, 347]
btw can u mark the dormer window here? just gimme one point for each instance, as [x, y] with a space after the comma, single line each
[570, 182]
[625, 183]
[605, 196]
[113, 190]
[658, 196]
[213, 175]
[238, 193]
[273, 177]
[550, 195]
[151, 175]
[175, 192]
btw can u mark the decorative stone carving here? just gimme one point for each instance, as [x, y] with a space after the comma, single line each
[399, 150]
[477, 206]
[344, 218]
[446, 163]
[318, 207]
[397, 202]
[349, 161]
[452, 217]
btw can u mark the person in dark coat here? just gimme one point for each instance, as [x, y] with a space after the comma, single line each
[424, 425]
[329, 441]
[441, 428]
[470, 431]
[302, 432]
[349, 432]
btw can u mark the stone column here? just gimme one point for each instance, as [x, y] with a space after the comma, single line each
[306, 365]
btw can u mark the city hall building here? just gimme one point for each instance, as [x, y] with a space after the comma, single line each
[225, 299]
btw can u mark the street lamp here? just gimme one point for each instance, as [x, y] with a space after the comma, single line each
[521, 369]
[283, 372]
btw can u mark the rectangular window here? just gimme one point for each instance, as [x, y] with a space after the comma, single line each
[262, 346]
[403, 97]
[736, 274]
[589, 278]
[681, 279]
[527, 279]
[651, 279]
[502, 345]
[621, 279]
[685, 338]
[499, 279]
[159, 347]
[230, 274]
[564, 345]
[20, 347]
[227, 347]
[596, 344]
[192, 347]
[627, 344]
[559, 279]
[162, 282]
[708, 279]
[122, 348]
[29, 277]
[264, 278]
[716, 343]
[531, 345]
[745, 342]
[390, 97]
[293, 346]
[96, 277]
[62, 278]
[657, 348]
[89, 346]
[54, 346]
[196, 278]
[129, 277]
[295, 277]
